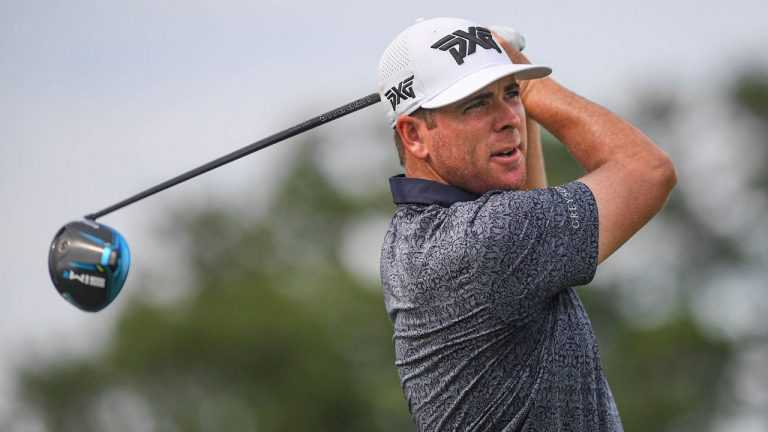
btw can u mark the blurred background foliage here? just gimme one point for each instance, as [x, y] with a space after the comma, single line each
[276, 331]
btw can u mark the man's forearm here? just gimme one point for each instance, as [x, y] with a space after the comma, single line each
[536, 175]
[593, 134]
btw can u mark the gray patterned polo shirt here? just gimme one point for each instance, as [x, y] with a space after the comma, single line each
[489, 333]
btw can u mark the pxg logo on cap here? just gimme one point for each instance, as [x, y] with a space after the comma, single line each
[463, 43]
[404, 90]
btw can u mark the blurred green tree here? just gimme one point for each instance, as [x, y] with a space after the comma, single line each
[750, 92]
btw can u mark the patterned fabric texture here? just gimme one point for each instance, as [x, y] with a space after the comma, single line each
[489, 333]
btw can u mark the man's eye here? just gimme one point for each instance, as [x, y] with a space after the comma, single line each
[475, 105]
[511, 94]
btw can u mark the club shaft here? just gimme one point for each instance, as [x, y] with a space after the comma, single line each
[312, 123]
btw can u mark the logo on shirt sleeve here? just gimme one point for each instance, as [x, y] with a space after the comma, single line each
[570, 206]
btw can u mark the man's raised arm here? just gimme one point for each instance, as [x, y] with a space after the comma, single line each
[629, 175]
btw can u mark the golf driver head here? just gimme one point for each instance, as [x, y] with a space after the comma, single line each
[88, 263]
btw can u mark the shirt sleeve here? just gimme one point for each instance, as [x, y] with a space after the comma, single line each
[528, 246]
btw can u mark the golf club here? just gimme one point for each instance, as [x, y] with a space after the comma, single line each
[88, 261]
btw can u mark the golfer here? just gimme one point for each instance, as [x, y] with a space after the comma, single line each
[480, 262]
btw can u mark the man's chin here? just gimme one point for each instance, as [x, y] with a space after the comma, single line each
[483, 185]
[513, 184]
[501, 186]
[511, 188]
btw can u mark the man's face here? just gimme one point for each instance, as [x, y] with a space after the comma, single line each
[479, 143]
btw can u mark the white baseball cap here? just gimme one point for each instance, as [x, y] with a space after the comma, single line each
[439, 61]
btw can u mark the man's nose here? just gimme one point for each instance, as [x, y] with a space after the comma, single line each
[507, 115]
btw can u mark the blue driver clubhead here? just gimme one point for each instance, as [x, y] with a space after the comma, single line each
[88, 263]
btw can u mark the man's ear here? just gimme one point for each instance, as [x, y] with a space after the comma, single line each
[412, 132]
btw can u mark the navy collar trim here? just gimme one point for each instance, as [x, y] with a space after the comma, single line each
[407, 190]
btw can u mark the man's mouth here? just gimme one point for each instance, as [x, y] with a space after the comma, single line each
[508, 153]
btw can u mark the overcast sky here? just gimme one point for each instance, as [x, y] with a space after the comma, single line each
[101, 99]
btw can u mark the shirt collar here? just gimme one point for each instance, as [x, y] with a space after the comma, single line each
[407, 190]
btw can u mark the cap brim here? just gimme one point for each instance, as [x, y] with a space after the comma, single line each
[476, 81]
